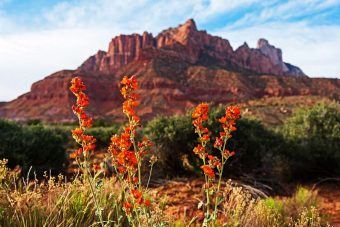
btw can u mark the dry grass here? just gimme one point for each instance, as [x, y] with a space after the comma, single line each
[54, 202]
[241, 205]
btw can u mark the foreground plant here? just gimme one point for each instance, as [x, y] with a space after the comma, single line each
[127, 157]
[83, 154]
[56, 202]
[211, 162]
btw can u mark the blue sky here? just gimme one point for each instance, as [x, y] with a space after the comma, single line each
[39, 37]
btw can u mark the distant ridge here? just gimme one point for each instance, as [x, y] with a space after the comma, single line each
[177, 69]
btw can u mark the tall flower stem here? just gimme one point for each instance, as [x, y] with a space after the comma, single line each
[220, 178]
[210, 162]
[86, 142]
[128, 154]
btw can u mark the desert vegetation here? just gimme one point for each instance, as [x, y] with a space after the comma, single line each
[122, 188]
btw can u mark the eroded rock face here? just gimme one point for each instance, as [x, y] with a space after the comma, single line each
[177, 69]
[50, 99]
[123, 49]
[265, 59]
[193, 46]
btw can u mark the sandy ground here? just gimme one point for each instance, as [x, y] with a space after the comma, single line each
[182, 196]
[329, 195]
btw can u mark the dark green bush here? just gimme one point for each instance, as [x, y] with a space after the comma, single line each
[103, 135]
[257, 148]
[32, 145]
[308, 145]
[11, 143]
[174, 140]
[44, 148]
[314, 134]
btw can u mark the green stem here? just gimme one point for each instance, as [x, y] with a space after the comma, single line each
[132, 138]
[207, 213]
[218, 188]
[220, 177]
[95, 198]
[207, 192]
[138, 159]
[147, 185]
[87, 176]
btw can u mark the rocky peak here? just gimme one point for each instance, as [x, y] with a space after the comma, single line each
[244, 46]
[93, 63]
[189, 25]
[275, 54]
[264, 59]
[180, 34]
[191, 45]
[123, 49]
[262, 43]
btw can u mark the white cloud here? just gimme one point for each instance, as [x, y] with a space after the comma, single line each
[5, 23]
[284, 12]
[216, 7]
[125, 15]
[314, 49]
[28, 57]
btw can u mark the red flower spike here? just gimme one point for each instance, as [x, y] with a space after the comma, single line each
[136, 193]
[127, 207]
[199, 149]
[218, 143]
[125, 155]
[208, 171]
[147, 203]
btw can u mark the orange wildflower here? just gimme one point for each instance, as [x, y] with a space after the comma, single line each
[127, 207]
[201, 111]
[129, 85]
[218, 143]
[136, 193]
[205, 138]
[227, 153]
[139, 200]
[82, 100]
[147, 203]
[127, 153]
[199, 149]
[208, 171]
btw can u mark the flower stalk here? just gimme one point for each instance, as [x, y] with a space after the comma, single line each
[127, 155]
[87, 142]
[210, 162]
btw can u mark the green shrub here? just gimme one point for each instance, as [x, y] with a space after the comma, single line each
[258, 149]
[314, 134]
[43, 148]
[103, 135]
[11, 143]
[174, 138]
[32, 145]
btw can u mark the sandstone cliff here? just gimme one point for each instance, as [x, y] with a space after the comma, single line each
[177, 69]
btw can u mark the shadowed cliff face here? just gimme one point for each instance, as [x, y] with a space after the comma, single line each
[177, 69]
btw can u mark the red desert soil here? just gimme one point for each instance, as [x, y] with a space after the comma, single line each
[329, 195]
[181, 197]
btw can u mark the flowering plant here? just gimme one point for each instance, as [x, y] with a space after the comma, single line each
[87, 142]
[211, 162]
[128, 154]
